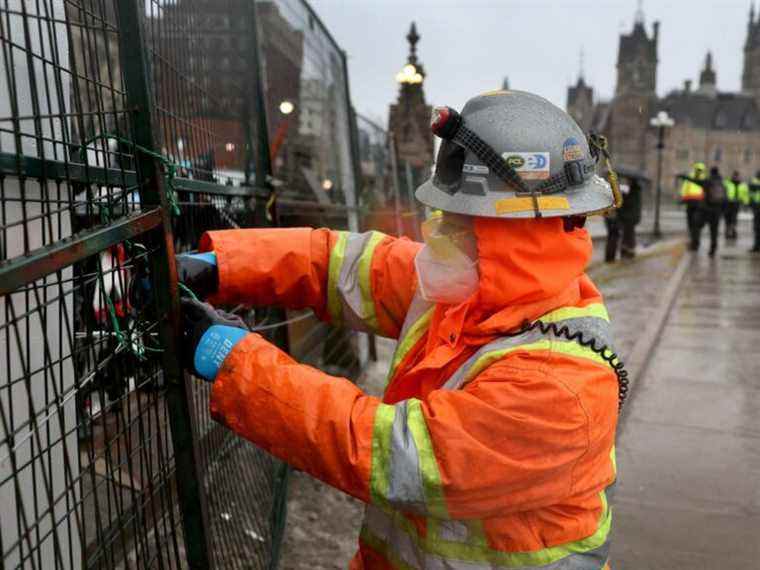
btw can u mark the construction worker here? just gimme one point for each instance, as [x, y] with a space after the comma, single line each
[734, 191]
[493, 445]
[692, 195]
[753, 199]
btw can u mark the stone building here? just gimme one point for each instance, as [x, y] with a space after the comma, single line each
[719, 128]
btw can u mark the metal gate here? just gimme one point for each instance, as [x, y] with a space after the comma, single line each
[127, 129]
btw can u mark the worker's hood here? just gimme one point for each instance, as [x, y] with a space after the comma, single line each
[527, 268]
[527, 261]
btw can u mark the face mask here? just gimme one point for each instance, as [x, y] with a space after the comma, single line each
[445, 273]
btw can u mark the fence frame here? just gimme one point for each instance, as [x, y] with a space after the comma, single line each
[153, 225]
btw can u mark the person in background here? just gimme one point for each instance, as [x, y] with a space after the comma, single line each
[621, 223]
[735, 188]
[753, 200]
[692, 195]
[710, 207]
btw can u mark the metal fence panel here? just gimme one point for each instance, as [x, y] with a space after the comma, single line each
[127, 129]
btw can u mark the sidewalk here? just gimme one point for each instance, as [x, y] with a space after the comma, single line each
[689, 449]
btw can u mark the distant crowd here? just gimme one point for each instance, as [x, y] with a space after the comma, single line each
[709, 197]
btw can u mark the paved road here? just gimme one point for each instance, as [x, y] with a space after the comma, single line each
[689, 451]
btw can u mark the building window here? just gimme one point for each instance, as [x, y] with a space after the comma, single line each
[717, 154]
[682, 154]
[748, 154]
[721, 120]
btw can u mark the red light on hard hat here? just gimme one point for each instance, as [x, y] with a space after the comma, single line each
[445, 122]
[438, 120]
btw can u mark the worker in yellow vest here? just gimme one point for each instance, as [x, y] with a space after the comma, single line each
[693, 195]
[735, 189]
[753, 200]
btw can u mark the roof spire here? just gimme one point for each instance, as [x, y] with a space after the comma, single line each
[639, 17]
[413, 37]
[412, 73]
[708, 79]
[581, 65]
[751, 12]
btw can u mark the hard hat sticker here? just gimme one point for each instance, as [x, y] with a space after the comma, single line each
[572, 150]
[523, 204]
[530, 165]
[474, 169]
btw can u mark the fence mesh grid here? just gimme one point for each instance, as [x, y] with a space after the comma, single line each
[87, 461]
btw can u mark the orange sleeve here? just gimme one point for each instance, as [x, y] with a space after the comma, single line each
[284, 267]
[317, 423]
[512, 440]
[364, 281]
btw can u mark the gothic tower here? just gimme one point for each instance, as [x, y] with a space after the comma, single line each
[409, 118]
[635, 96]
[751, 74]
[580, 100]
[637, 60]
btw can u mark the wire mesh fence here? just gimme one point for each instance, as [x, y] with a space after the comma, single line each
[127, 129]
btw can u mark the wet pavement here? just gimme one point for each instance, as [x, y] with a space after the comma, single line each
[688, 494]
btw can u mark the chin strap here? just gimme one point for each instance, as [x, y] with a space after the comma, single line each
[599, 148]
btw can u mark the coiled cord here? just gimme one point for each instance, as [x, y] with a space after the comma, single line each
[604, 351]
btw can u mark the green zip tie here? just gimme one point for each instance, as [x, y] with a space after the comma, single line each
[189, 291]
[170, 168]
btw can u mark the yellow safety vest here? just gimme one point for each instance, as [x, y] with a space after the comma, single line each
[742, 193]
[691, 191]
[731, 189]
[753, 192]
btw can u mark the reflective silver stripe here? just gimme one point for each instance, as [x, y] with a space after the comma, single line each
[405, 490]
[382, 527]
[354, 306]
[591, 327]
[413, 329]
[425, 554]
[453, 531]
[417, 308]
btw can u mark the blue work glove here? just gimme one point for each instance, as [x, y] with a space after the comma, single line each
[209, 335]
[198, 271]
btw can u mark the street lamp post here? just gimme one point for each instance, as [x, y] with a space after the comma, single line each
[661, 122]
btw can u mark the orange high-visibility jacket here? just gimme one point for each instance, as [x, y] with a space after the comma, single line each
[488, 450]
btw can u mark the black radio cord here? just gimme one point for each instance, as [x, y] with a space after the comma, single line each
[604, 351]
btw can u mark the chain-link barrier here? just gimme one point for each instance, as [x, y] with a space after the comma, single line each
[127, 129]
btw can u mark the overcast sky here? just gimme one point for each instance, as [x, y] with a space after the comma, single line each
[469, 46]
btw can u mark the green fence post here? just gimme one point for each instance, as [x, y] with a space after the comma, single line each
[190, 490]
[264, 189]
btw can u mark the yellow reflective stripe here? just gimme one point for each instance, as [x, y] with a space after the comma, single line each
[594, 310]
[476, 550]
[613, 459]
[365, 281]
[490, 357]
[571, 348]
[431, 477]
[379, 477]
[337, 257]
[415, 333]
